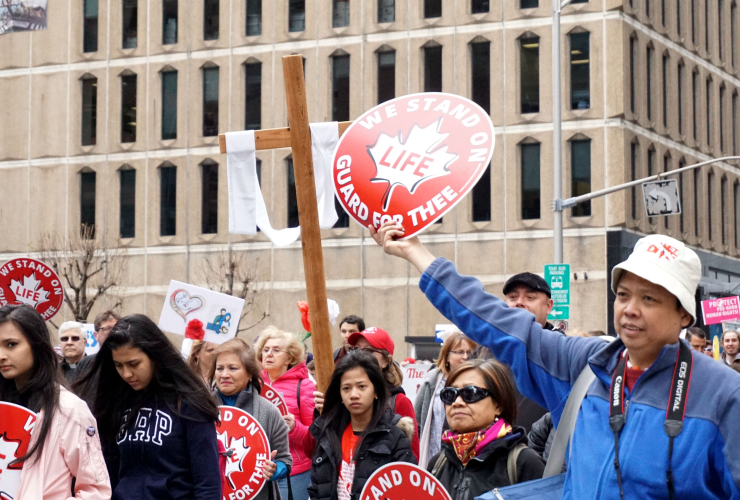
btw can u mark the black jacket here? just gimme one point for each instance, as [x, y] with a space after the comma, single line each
[384, 444]
[541, 436]
[489, 469]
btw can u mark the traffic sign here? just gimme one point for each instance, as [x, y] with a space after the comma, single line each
[557, 277]
[559, 313]
[661, 197]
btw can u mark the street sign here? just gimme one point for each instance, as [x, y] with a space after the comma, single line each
[559, 313]
[661, 197]
[557, 277]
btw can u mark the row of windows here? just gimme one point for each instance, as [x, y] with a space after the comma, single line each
[386, 13]
[480, 52]
[729, 197]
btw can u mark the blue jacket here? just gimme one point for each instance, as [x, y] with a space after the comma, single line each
[706, 455]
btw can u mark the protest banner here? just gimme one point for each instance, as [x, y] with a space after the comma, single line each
[275, 398]
[720, 310]
[403, 481]
[412, 159]
[16, 424]
[92, 346]
[250, 448]
[31, 282]
[413, 375]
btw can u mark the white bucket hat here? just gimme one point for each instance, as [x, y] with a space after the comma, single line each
[667, 262]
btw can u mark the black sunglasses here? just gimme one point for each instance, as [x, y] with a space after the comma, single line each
[469, 394]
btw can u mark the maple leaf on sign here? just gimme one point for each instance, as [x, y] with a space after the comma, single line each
[9, 477]
[30, 284]
[412, 161]
[239, 450]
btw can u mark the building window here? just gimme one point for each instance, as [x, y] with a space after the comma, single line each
[529, 74]
[723, 201]
[580, 175]
[647, 9]
[90, 27]
[296, 15]
[292, 197]
[720, 31]
[722, 118]
[210, 102]
[128, 108]
[127, 224]
[480, 55]
[709, 112]
[432, 8]
[169, 22]
[734, 124]
[665, 89]
[386, 11]
[706, 26]
[733, 26]
[679, 85]
[340, 88]
[209, 206]
[481, 201]
[210, 19]
[253, 99]
[254, 17]
[169, 105]
[697, 173]
[710, 205]
[663, 19]
[651, 172]
[736, 209]
[695, 105]
[666, 168]
[693, 22]
[681, 164]
[89, 111]
[528, 4]
[87, 204]
[433, 68]
[633, 177]
[633, 75]
[530, 171]
[340, 13]
[130, 24]
[479, 6]
[679, 27]
[649, 81]
[580, 91]
[386, 76]
[167, 200]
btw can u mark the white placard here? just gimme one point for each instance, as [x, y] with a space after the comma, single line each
[92, 345]
[413, 376]
[219, 313]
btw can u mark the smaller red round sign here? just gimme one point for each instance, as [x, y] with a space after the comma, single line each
[403, 481]
[31, 282]
[250, 448]
[16, 424]
[275, 398]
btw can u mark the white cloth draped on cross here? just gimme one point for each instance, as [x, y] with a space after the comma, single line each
[247, 209]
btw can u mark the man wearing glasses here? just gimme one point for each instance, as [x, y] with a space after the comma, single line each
[72, 341]
[104, 323]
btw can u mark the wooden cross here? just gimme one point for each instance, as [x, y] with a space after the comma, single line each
[298, 137]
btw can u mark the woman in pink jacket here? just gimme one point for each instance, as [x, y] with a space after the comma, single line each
[65, 442]
[284, 362]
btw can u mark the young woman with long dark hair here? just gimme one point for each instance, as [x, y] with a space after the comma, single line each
[65, 444]
[156, 414]
[355, 435]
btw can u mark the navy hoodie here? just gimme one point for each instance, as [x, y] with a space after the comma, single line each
[164, 456]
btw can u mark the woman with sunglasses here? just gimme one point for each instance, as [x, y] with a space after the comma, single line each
[430, 411]
[284, 361]
[65, 445]
[480, 405]
[355, 435]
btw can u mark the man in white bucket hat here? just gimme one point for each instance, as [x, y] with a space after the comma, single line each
[659, 420]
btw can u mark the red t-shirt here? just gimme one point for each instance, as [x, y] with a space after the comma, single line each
[347, 467]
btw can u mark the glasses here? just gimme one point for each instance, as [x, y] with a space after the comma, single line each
[470, 394]
[67, 339]
[366, 349]
[105, 329]
[464, 354]
[274, 350]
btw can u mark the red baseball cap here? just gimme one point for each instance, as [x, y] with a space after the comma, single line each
[377, 338]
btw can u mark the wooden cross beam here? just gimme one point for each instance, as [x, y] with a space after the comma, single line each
[298, 137]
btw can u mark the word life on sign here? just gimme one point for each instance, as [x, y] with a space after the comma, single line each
[31, 282]
[412, 159]
[557, 277]
[720, 310]
[275, 398]
[403, 481]
[250, 448]
[16, 424]
[661, 197]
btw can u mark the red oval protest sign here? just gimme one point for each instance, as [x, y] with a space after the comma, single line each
[403, 481]
[412, 159]
[31, 282]
[275, 398]
[245, 437]
[16, 424]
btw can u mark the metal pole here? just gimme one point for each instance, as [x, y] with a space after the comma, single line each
[557, 163]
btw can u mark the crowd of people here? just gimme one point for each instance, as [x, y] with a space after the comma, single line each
[137, 421]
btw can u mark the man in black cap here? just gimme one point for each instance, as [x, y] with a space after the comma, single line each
[531, 292]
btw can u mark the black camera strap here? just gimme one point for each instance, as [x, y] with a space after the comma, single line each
[674, 413]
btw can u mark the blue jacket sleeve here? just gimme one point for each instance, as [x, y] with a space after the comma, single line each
[203, 451]
[545, 363]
